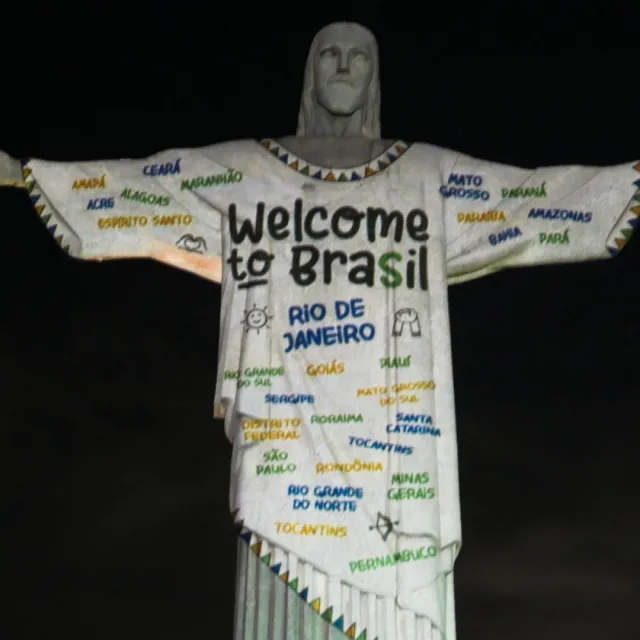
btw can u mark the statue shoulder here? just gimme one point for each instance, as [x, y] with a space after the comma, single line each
[230, 153]
[432, 150]
[432, 155]
[236, 156]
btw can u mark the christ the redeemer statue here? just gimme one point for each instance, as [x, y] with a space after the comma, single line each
[335, 249]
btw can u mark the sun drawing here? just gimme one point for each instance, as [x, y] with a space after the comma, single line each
[256, 319]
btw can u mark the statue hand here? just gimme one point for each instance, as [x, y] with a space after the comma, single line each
[10, 170]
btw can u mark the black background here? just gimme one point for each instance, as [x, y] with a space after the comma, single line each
[114, 516]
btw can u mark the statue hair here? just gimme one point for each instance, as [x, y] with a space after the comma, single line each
[308, 104]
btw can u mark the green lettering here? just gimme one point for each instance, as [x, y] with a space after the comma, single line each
[392, 277]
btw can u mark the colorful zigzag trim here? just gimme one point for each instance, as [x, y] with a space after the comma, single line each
[39, 202]
[335, 618]
[632, 222]
[378, 164]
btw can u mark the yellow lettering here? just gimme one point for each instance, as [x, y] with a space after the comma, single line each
[472, 217]
[271, 423]
[172, 221]
[307, 529]
[89, 183]
[332, 368]
[251, 436]
[372, 391]
[122, 222]
[420, 385]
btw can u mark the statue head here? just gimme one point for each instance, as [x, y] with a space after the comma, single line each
[341, 83]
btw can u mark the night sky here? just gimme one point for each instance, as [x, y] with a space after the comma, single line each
[114, 495]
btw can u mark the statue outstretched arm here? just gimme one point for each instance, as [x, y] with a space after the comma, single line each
[10, 172]
[130, 208]
[498, 216]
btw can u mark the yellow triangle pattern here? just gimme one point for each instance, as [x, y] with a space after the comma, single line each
[334, 617]
[329, 175]
[633, 221]
[35, 193]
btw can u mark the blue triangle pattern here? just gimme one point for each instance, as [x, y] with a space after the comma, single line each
[295, 163]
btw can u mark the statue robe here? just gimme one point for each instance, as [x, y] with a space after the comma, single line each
[334, 374]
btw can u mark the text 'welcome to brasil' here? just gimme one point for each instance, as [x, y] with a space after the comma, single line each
[301, 226]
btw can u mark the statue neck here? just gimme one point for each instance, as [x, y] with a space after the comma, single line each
[335, 141]
[330, 125]
[335, 152]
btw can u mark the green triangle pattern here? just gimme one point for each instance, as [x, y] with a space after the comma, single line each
[328, 614]
[33, 188]
[625, 234]
[328, 175]
[336, 620]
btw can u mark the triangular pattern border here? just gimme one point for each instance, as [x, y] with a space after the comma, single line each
[35, 195]
[632, 222]
[335, 618]
[351, 174]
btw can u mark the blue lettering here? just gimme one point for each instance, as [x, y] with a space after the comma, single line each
[413, 429]
[583, 217]
[292, 398]
[414, 417]
[503, 236]
[307, 313]
[165, 169]
[335, 505]
[354, 307]
[367, 443]
[338, 492]
[461, 192]
[297, 490]
[101, 203]
[329, 335]
[466, 180]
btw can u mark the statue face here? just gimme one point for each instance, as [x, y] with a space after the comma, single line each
[343, 67]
